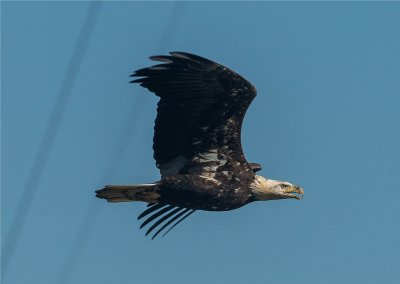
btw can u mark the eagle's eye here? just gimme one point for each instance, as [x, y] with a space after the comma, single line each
[284, 185]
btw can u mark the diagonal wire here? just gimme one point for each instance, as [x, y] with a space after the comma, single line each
[46, 144]
[125, 139]
[171, 26]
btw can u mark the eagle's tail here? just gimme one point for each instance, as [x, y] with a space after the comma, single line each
[124, 193]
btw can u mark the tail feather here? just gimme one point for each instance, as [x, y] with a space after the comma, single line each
[126, 193]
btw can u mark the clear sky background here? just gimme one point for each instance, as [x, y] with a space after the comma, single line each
[326, 117]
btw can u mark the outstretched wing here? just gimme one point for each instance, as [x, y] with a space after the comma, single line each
[198, 125]
[201, 109]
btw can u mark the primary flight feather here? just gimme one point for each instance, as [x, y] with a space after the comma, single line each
[197, 144]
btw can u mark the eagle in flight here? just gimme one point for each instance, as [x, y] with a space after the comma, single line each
[197, 144]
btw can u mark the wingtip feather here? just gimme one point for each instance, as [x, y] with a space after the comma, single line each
[162, 58]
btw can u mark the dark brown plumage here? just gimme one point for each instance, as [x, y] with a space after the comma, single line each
[195, 93]
[197, 143]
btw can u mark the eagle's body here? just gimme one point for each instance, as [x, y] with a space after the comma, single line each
[225, 189]
[197, 143]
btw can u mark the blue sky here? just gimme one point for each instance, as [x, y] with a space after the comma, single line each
[326, 117]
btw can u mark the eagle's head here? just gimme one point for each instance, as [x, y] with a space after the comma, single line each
[269, 189]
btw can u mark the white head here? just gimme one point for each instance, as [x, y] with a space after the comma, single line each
[269, 189]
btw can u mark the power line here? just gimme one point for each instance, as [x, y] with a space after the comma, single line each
[118, 152]
[171, 26]
[90, 217]
[46, 144]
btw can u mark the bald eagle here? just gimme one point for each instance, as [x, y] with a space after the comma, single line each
[197, 144]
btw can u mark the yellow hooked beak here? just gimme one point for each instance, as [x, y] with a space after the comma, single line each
[294, 192]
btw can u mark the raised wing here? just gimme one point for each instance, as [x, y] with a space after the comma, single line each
[201, 109]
